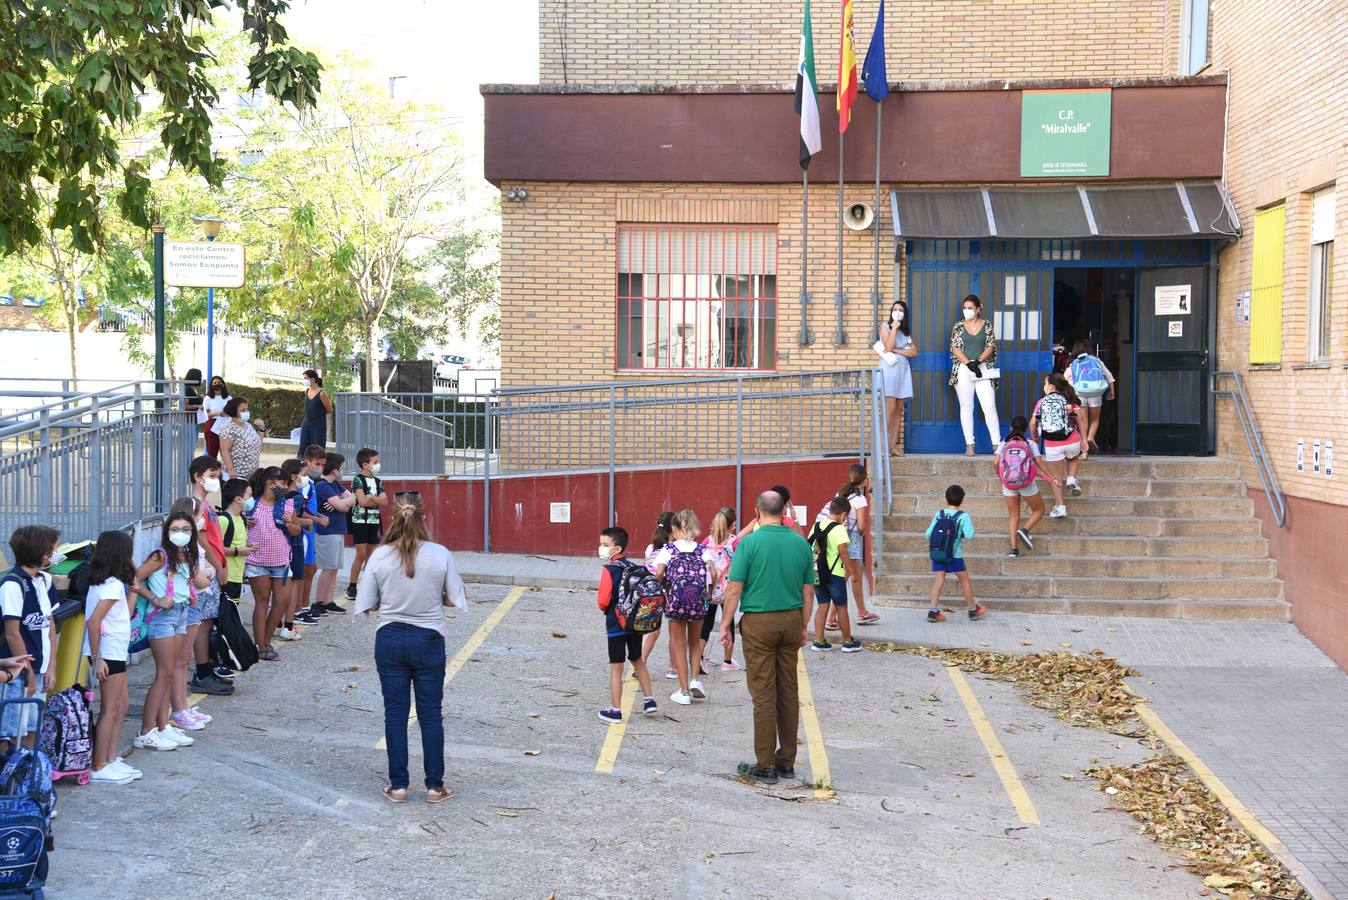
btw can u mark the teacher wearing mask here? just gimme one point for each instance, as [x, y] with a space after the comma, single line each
[973, 351]
[895, 370]
[317, 405]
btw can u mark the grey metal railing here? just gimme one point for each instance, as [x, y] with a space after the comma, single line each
[97, 460]
[1268, 477]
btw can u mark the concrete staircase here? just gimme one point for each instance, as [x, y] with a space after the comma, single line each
[1164, 537]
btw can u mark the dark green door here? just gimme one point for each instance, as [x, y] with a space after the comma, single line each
[1172, 360]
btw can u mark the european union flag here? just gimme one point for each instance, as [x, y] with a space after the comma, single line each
[873, 73]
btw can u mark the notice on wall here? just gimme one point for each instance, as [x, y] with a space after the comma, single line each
[1175, 328]
[1064, 134]
[1329, 459]
[1174, 299]
[1315, 456]
[1243, 308]
[1301, 454]
[559, 512]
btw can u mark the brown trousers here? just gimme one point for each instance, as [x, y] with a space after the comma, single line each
[771, 644]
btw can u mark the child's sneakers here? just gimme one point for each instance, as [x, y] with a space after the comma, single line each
[1058, 512]
[697, 690]
[977, 612]
[648, 706]
[1025, 538]
[730, 666]
[1013, 553]
[820, 646]
[935, 615]
[851, 646]
[672, 674]
[683, 698]
[611, 716]
[1073, 486]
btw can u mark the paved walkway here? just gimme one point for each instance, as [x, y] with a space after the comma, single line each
[1257, 701]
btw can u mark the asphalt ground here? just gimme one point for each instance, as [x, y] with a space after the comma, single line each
[281, 795]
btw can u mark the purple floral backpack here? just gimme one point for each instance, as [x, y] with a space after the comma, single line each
[686, 585]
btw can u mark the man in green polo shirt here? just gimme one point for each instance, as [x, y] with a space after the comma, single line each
[772, 581]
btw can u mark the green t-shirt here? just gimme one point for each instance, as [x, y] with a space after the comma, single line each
[774, 564]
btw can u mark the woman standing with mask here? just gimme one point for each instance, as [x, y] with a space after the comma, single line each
[240, 444]
[407, 583]
[317, 405]
[217, 395]
[973, 348]
[897, 375]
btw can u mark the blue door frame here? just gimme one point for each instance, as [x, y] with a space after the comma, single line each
[1015, 281]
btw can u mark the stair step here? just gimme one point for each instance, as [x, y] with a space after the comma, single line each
[930, 486]
[1228, 610]
[1087, 505]
[902, 525]
[1095, 467]
[1036, 563]
[1064, 587]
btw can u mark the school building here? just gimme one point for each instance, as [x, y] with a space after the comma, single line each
[1155, 176]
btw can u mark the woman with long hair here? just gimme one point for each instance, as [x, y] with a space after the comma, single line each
[317, 405]
[896, 339]
[213, 407]
[407, 583]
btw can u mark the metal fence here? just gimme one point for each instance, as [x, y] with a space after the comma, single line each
[88, 462]
[607, 427]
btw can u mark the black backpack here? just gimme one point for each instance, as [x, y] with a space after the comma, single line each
[231, 645]
[819, 541]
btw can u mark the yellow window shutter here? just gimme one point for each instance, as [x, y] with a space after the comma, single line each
[1266, 285]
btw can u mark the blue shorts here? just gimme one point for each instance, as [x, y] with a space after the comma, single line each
[254, 571]
[207, 606]
[20, 719]
[833, 591]
[310, 548]
[165, 623]
[854, 545]
[955, 565]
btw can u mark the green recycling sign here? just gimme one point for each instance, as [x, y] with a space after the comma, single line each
[1064, 134]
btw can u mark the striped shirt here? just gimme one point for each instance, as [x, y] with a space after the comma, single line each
[273, 544]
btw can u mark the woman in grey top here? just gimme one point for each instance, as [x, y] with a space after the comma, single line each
[407, 583]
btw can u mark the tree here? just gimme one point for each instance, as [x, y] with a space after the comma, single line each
[72, 78]
[469, 262]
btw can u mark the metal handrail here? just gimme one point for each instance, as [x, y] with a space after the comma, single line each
[41, 417]
[1268, 477]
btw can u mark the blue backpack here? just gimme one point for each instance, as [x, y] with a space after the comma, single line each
[1088, 376]
[26, 804]
[944, 533]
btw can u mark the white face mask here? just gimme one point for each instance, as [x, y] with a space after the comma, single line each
[606, 553]
[896, 315]
[374, 467]
[201, 523]
[969, 313]
[179, 538]
[211, 484]
[304, 481]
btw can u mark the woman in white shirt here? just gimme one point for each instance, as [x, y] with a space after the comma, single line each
[107, 617]
[212, 414]
[408, 581]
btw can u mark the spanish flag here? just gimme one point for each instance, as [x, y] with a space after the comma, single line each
[847, 70]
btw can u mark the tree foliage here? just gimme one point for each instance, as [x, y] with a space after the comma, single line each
[73, 77]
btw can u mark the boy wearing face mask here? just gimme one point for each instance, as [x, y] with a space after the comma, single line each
[370, 497]
[204, 472]
[310, 476]
[297, 610]
[622, 645]
[235, 497]
[30, 628]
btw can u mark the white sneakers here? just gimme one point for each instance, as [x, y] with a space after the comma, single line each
[166, 738]
[683, 698]
[1073, 486]
[1058, 512]
[288, 634]
[115, 773]
[178, 735]
[695, 688]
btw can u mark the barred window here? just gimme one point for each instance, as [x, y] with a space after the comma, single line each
[697, 297]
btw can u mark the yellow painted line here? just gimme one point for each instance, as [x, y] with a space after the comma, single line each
[466, 652]
[608, 754]
[194, 699]
[814, 738]
[1015, 790]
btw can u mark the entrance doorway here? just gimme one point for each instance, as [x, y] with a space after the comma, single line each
[1098, 306]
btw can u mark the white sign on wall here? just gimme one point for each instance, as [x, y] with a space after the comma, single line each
[1174, 299]
[559, 512]
[1175, 328]
[1301, 454]
[1243, 308]
[1315, 456]
[204, 264]
[1329, 459]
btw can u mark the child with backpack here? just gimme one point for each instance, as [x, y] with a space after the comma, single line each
[1094, 383]
[686, 571]
[946, 534]
[1055, 421]
[720, 544]
[857, 493]
[830, 593]
[623, 644]
[297, 605]
[107, 625]
[234, 497]
[1019, 477]
[30, 629]
[663, 526]
[368, 489]
[204, 479]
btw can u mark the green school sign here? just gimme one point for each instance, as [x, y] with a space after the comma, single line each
[1064, 134]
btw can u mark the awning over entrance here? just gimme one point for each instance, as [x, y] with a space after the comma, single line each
[1173, 210]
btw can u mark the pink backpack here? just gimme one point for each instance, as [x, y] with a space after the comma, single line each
[1015, 466]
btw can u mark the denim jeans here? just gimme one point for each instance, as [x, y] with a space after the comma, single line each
[408, 657]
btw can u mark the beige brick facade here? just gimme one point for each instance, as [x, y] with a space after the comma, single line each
[712, 42]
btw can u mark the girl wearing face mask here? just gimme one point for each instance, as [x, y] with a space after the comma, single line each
[895, 336]
[240, 444]
[973, 348]
[268, 568]
[213, 407]
[168, 582]
[317, 405]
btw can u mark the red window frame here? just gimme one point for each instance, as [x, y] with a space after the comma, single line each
[757, 342]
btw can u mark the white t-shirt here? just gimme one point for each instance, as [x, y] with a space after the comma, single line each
[666, 553]
[856, 502]
[11, 605]
[116, 625]
[216, 404]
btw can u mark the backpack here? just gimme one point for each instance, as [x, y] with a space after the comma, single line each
[685, 585]
[945, 532]
[231, 645]
[145, 611]
[819, 541]
[641, 601]
[1052, 414]
[721, 557]
[227, 534]
[64, 734]
[26, 804]
[1088, 376]
[1015, 466]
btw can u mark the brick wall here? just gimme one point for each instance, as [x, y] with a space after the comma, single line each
[1285, 138]
[712, 42]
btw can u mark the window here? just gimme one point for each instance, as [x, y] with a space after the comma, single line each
[697, 297]
[1193, 36]
[1321, 269]
[1266, 286]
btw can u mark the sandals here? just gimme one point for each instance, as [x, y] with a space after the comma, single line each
[438, 795]
[268, 654]
[396, 795]
[868, 619]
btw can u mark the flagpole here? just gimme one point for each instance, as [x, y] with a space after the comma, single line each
[840, 336]
[875, 277]
[805, 339]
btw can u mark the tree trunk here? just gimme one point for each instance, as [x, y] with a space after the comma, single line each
[72, 323]
[371, 364]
